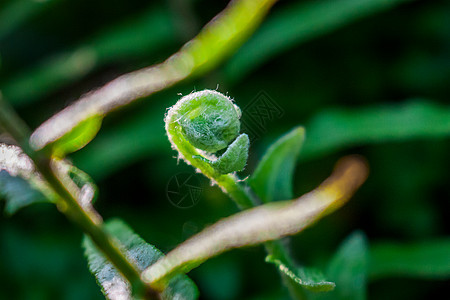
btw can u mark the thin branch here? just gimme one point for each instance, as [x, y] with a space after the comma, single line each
[218, 38]
[261, 224]
[67, 203]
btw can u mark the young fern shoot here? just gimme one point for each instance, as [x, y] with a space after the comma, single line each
[200, 126]
[209, 121]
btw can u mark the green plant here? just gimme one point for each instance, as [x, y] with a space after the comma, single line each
[204, 127]
[210, 121]
[207, 120]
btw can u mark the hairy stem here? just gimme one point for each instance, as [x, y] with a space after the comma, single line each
[192, 126]
[265, 223]
[68, 204]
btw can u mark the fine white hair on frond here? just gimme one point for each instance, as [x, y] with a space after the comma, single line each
[15, 162]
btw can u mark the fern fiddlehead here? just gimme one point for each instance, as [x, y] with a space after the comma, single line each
[200, 127]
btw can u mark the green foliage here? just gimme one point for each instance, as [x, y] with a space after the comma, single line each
[264, 223]
[208, 121]
[272, 181]
[328, 132]
[297, 23]
[334, 129]
[81, 184]
[122, 42]
[345, 83]
[113, 285]
[15, 13]
[234, 158]
[273, 178]
[215, 41]
[18, 193]
[145, 131]
[426, 259]
[20, 184]
[349, 268]
[311, 279]
[78, 137]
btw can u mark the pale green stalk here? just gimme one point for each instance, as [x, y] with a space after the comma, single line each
[67, 202]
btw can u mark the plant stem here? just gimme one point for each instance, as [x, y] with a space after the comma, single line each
[68, 204]
[229, 183]
[264, 224]
[216, 40]
[273, 247]
[278, 249]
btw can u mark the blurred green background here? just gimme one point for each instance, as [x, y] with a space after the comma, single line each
[336, 67]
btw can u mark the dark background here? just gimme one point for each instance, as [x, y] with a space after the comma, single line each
[386, 57]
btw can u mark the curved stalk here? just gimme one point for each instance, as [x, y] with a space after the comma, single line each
[229, 183]
[88, 221]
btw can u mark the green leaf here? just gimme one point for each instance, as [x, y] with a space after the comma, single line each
[427, 260]
[145, 131]
[78, 137]
[335, 129]
[311, 279]
[297, 23]
[18, 193]
[272, 179]
[225, 33]
[234, 158]
[20, 184]
[86, 185]
[296, 278]
[208, 121]
[329, 131]
[267, 222]
[113, 285]
[214, 42]
[349, 268]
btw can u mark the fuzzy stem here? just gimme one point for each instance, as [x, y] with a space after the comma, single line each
[229, 183]
[268, 222]
[68, 204]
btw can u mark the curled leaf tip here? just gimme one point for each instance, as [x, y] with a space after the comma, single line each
[208, 121]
